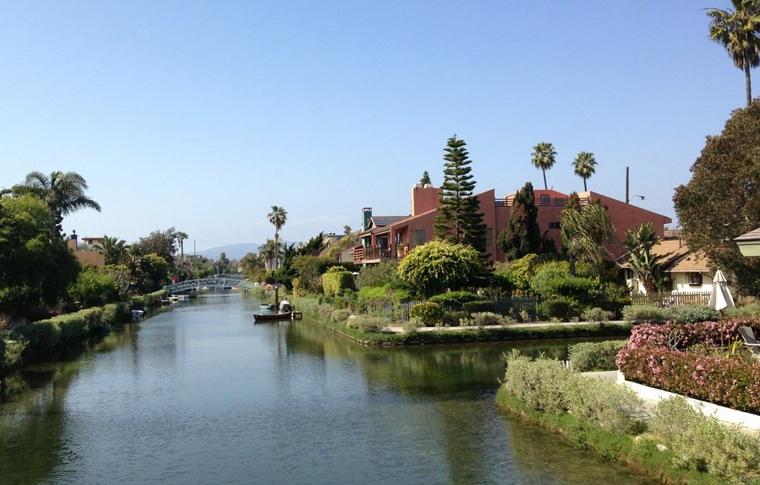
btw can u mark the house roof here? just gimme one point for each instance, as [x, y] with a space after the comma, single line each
[753, 235]
[381, 221]
[675, 257]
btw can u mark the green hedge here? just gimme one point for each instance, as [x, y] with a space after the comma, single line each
[595, 356]
[454, 300]
[336, 280]
[479, 306]
[427, 313]
[149, 300]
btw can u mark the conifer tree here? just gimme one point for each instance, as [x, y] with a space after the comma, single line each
[522, 235]
[425, 180]
[459, 219]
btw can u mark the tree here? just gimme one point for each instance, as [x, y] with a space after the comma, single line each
[522, 235]
[223, 264]
[425, 179]
[737, 30]
[154, 272]
[113, 249]
[639, 242]
[277, 218]
[94, 287]
[721, 201]
[584, 232]
[270, 251]
[63, 193]
[163, 243]
[347, 230]
[544, 157]
[438, 266]
[36, 267]
[181, 237]
[459, 219]
[584, 166]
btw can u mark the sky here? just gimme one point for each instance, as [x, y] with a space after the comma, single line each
[202, 115]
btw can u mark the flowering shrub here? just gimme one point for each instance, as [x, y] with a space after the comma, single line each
[655, 356]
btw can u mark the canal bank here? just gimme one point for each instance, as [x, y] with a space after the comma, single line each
[202, 395]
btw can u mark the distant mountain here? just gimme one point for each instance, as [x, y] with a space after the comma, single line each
[232, 251]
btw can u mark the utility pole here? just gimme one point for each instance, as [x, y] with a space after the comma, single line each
[627, 194]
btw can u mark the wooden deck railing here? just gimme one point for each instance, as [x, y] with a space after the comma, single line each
[673, 299]
[373, 253]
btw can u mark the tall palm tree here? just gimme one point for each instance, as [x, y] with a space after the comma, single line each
[544, 157]
[269, 252]
[584, 166]
[64, 193]
[737, 30]
[114, 250]
[639, 242]
[181, 236]
[277, 218]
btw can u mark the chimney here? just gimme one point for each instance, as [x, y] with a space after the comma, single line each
[424, 198]
[72, 242]
[367, 215]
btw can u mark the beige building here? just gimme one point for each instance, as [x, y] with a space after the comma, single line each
[87, 253]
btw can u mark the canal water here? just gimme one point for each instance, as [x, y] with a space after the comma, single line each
[200, 394]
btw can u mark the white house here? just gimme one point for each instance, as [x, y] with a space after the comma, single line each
[685, 271]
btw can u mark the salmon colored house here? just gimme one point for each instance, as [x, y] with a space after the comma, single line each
[392, 237]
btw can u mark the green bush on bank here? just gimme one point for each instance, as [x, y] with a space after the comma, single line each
[678, 314]
[479, 306]
[429, 313]
[704, 444]
[595, 356]
[336, 280]
[149, 300]
[596, 315]
[454, 300]
[340, 315]
[367, 324]
[482, 319]
[546, 385]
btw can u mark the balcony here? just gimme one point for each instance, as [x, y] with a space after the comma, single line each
[375, 254]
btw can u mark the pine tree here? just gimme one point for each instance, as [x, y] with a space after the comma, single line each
[459, 218]
[522, 235]
[425, 180]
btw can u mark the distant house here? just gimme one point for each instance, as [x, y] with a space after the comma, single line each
[392, 237]
[685, 271]
[87, 253]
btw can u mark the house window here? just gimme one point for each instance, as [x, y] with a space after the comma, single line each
[554, 225]
[695, 279]
[418, 237]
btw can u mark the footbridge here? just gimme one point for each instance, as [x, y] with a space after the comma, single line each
[218, 282]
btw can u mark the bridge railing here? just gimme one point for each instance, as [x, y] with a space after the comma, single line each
[218, 282]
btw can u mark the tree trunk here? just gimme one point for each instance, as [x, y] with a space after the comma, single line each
[276, 250]
[2, 389]
[748, 84]
[546, 187]
[585, 189]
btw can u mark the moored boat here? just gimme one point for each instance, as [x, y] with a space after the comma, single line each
[273, 317]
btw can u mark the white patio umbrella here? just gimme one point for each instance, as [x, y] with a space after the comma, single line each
[721, 296]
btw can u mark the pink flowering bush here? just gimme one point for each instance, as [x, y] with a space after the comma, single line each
[656, 356]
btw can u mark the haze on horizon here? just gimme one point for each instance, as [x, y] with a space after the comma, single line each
[201, 115]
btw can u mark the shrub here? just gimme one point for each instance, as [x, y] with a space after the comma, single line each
[93, 287]
[454, 300]
[481, 319]
[595, 356]
[428, 313]
[367, 324]
[115, 313]
[412, 325]
[554, 279]
[644, 314]
[381, 274]
[438, 266]
[747, 311]
[692, 314]
[336, 280]
[596, 315]
[453, 319]
[479, 306]
[340, 315]
[546, 385]
[560, 307]
[324, 310]
[702, 443]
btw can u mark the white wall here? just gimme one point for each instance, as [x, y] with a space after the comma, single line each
[680, 283]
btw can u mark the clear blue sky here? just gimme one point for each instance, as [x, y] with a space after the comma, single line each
[201, 115]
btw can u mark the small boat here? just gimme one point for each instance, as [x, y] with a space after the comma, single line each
[267, 306]
[273, 317]
[137, 315]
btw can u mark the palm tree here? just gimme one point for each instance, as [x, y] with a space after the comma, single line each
[639, 242]
[584, 231]
[181, 236]
[269, 252]
[114, 250]
[277, 218]
[64, 193]
[584, 166]
[544, 158]
[737, 30]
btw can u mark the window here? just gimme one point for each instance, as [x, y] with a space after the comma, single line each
[695, 279]
[545, 199]
[418, 237]
[554, 225]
